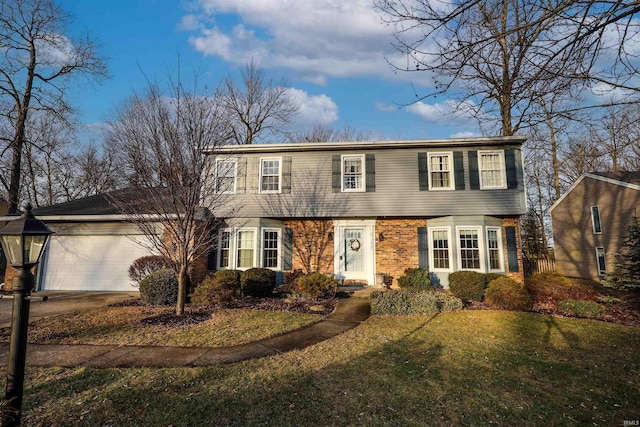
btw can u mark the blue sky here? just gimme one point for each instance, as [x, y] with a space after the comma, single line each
[333, 53]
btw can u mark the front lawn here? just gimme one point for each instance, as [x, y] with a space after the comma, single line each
[142, 325]
[476, 367]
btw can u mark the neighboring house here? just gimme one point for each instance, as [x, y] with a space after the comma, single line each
[357, 209]
[590, 222]
[92, 248]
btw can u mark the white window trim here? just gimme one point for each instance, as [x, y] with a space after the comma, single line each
[593, 220]
[481, 248]
[235, 176]
[452, 184]
[601, 272]
[219, 250]
[500, 250]
[503, 170]
[430, 230]
[262, 160]
[364, 174]
[279, 256]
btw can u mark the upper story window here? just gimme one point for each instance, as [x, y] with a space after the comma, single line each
[492, 169]
[270, 175]
[353, 173]
[440, 171]
[225, 176]
[595, 220]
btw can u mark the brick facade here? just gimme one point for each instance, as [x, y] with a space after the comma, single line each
[312, 245]
[396, 246]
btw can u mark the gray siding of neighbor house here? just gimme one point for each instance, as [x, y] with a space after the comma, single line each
[574, 239]
[396, 190]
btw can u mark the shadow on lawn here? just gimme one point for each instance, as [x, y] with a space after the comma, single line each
[462, 368]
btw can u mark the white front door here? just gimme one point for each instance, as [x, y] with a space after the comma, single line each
[354, 252]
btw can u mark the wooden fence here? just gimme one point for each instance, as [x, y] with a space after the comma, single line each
[538, 265]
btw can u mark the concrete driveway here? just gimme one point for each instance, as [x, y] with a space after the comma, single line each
[60, 302]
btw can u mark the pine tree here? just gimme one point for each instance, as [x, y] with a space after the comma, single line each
[629, 260]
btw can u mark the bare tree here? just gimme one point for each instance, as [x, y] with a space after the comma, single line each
[615, 134]
[161, 140]
[257, 108]
[497, 55]
[323, 133]
[37, 63]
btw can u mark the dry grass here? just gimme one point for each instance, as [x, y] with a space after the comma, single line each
[465, 368]
[140, 325]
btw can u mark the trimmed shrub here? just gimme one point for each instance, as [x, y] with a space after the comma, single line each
[318, 285]
[257, 282]
[548, 289]
[159, 288]
[220, 288]
[145, 265]
[508, 294]
[412, 301]
[467, 285]
[415, 278]
[580, 308]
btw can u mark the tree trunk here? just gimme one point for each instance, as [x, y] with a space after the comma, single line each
[183, 284]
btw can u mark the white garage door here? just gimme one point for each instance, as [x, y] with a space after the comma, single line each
[89, 263]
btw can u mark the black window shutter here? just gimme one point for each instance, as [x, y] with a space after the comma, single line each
[287, 248]
[286, 174]
[336, 173]
[512, 249]
[423, 172]
[458, 168]
[212, 259]
[423, 248]
[474, 176]
[370, 168]
[512, 171]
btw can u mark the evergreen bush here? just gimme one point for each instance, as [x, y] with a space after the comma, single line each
[415, 278]
[159, 288]
[257, 282]
[412, 301]
[220, 288]
[317, 285]
[468, 285]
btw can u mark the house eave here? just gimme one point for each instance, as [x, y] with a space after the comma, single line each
[96, 218]
[367, 145]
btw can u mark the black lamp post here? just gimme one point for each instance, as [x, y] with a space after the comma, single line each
[23, 241]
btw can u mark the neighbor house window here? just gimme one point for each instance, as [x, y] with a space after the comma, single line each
[440, 171]
[469, 248]
[494, 249]
[440, 248]
[352, 173]
[270, 173]
[492, 169]
[595, 220]
[225, 177]
[270, 247]
[245, 251]
[602, 261]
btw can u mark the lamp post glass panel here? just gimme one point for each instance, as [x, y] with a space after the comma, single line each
[23, 241]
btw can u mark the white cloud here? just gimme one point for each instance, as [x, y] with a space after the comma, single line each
[465, 134]
[313, 109]
[315, 39]
[381, 106]
[448, 112]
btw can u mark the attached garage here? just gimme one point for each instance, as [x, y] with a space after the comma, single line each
[89, 263]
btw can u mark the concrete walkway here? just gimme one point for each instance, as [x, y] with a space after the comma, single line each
[349, 313]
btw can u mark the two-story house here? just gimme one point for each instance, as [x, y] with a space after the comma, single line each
[357, 209]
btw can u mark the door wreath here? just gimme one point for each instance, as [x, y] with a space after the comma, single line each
[354, 245]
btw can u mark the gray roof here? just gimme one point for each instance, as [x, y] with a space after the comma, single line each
[632, 177]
